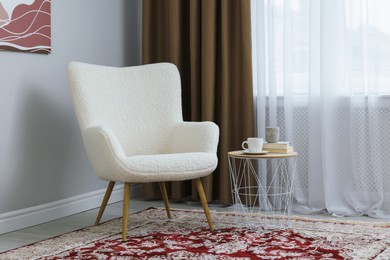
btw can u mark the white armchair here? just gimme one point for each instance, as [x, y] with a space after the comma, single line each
[133, 131]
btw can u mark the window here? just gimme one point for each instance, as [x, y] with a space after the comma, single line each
[292, 38]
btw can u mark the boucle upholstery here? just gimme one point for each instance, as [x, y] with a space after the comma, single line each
[132, 126]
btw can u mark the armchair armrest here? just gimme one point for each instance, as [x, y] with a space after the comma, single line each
[103, 149]
[195, 137]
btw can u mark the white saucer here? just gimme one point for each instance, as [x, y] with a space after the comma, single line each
[259, 153]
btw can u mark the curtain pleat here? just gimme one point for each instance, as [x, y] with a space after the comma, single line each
[210, 43]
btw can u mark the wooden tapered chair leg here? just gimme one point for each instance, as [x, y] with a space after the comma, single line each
[126, 201]
[104, 202]
[165, 198]
[203, 200]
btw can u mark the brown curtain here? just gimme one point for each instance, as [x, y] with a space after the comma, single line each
[210, 43]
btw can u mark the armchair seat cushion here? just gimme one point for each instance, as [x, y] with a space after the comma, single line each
[168, 167]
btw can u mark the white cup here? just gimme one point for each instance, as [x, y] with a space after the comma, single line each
[255, 145]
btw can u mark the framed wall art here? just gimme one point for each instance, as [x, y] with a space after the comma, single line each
[25, 25]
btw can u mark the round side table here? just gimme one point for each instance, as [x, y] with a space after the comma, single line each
[262, 188]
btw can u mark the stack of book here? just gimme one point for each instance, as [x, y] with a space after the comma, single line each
[280, 147]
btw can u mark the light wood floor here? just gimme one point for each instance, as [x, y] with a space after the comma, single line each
[64, 225]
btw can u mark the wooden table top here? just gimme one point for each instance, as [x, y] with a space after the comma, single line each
[242, 154]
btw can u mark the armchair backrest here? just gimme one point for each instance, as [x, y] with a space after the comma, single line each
[139, 104]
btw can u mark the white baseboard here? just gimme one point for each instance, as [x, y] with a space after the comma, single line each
[22, 218]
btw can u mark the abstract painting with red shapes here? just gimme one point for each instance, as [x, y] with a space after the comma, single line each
[25, 25]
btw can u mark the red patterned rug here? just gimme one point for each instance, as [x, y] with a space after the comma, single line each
[186, 236]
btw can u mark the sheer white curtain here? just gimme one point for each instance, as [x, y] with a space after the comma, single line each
[322, 74]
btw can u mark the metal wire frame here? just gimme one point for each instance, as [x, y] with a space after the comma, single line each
[262, 187]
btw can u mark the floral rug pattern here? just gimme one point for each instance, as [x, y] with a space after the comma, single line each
[186, 236]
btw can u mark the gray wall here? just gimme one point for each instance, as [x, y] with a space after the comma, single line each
[41, 154]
